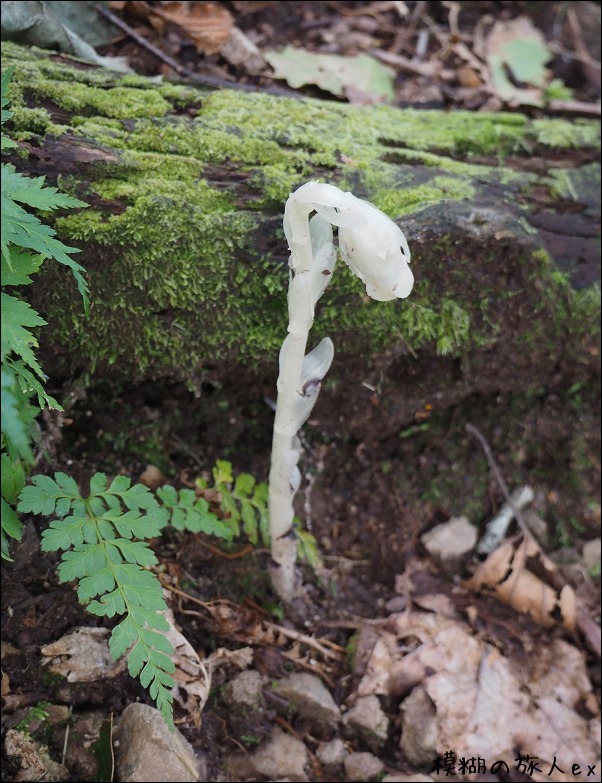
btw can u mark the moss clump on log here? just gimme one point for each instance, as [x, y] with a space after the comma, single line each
[187, 260]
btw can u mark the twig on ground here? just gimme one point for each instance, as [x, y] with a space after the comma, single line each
[472, 430]
[405, 64]
[580, 108]
[335, 651]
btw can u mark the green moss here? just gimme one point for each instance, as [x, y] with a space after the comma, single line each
[397, 202]
[179, 259]
[564, 134]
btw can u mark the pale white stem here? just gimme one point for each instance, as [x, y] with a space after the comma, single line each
[376, 251]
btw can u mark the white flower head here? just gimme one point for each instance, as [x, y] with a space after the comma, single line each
[378, 254]
[372, 245]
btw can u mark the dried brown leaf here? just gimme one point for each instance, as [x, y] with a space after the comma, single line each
[488, 704]
[206, 24]
[520, 575]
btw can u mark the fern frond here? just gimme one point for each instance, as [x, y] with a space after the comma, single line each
[101, 551]
[187, 512]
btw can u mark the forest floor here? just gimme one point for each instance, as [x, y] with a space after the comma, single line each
[382, 592]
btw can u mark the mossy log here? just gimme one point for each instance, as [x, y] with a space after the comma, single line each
[187, 262]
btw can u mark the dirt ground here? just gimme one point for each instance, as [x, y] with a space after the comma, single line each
[367, 501]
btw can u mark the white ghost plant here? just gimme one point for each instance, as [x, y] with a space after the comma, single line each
[375, 249]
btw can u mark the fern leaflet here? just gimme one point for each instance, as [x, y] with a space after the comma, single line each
[101, 551]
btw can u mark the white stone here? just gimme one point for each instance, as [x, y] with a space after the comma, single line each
[362, 766]
[591, 554]
[419, 728]
[368, 721]
[450, 540]
[282, 757]
[308, 694]
[146, 750]
[331, 754]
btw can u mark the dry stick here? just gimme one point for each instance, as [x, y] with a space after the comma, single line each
[470, 428]
[210, 81]
[588, 627]
[335, 651]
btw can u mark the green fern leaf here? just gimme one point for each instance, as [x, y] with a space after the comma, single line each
[29, 384]
[249, 521]
[122, 637]
[15, 416]
[83, 560]
[19, 267]
[98, 484]
[33, 192]
[100, 582]
[17, 315]
[222, 472]
[62, 533]
[244, 485]
[11, 528]
[43, 494]
[139, 497]
[133, 551]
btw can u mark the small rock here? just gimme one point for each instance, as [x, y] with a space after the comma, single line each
[362, 766]
[152, 477]
[245, 708]
[282, 757]
[368, 721]
[246, 689]
[83, 656]
[331, 755]
[591, 554]
[418, 778]
[146, 750]
[33, 758]
[450, 540]
[419, 728]
[308, 694]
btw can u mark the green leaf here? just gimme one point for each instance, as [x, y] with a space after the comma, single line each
[98, 583]
[33, 192]
[13, 478]
[98, 484]
[6, 77]
[249, 521]
[29, 384]
[19, 266]
[122, 636]
[244, 484]
[134, 551]
[109, 605]
[228, 505]
[12, 527]
[168, 494]
[17, 315]
[103, 751]
[307, 548]
[43, 494]
[67, 484]
[222, 472]
[119, 484]
[332, 72]
[14, 415]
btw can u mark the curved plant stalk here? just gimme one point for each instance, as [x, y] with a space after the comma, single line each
[375, 249]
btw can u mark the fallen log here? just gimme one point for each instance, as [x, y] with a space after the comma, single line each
[187, 261]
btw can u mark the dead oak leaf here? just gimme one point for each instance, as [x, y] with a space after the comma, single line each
[519, 574]
[207, 25]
